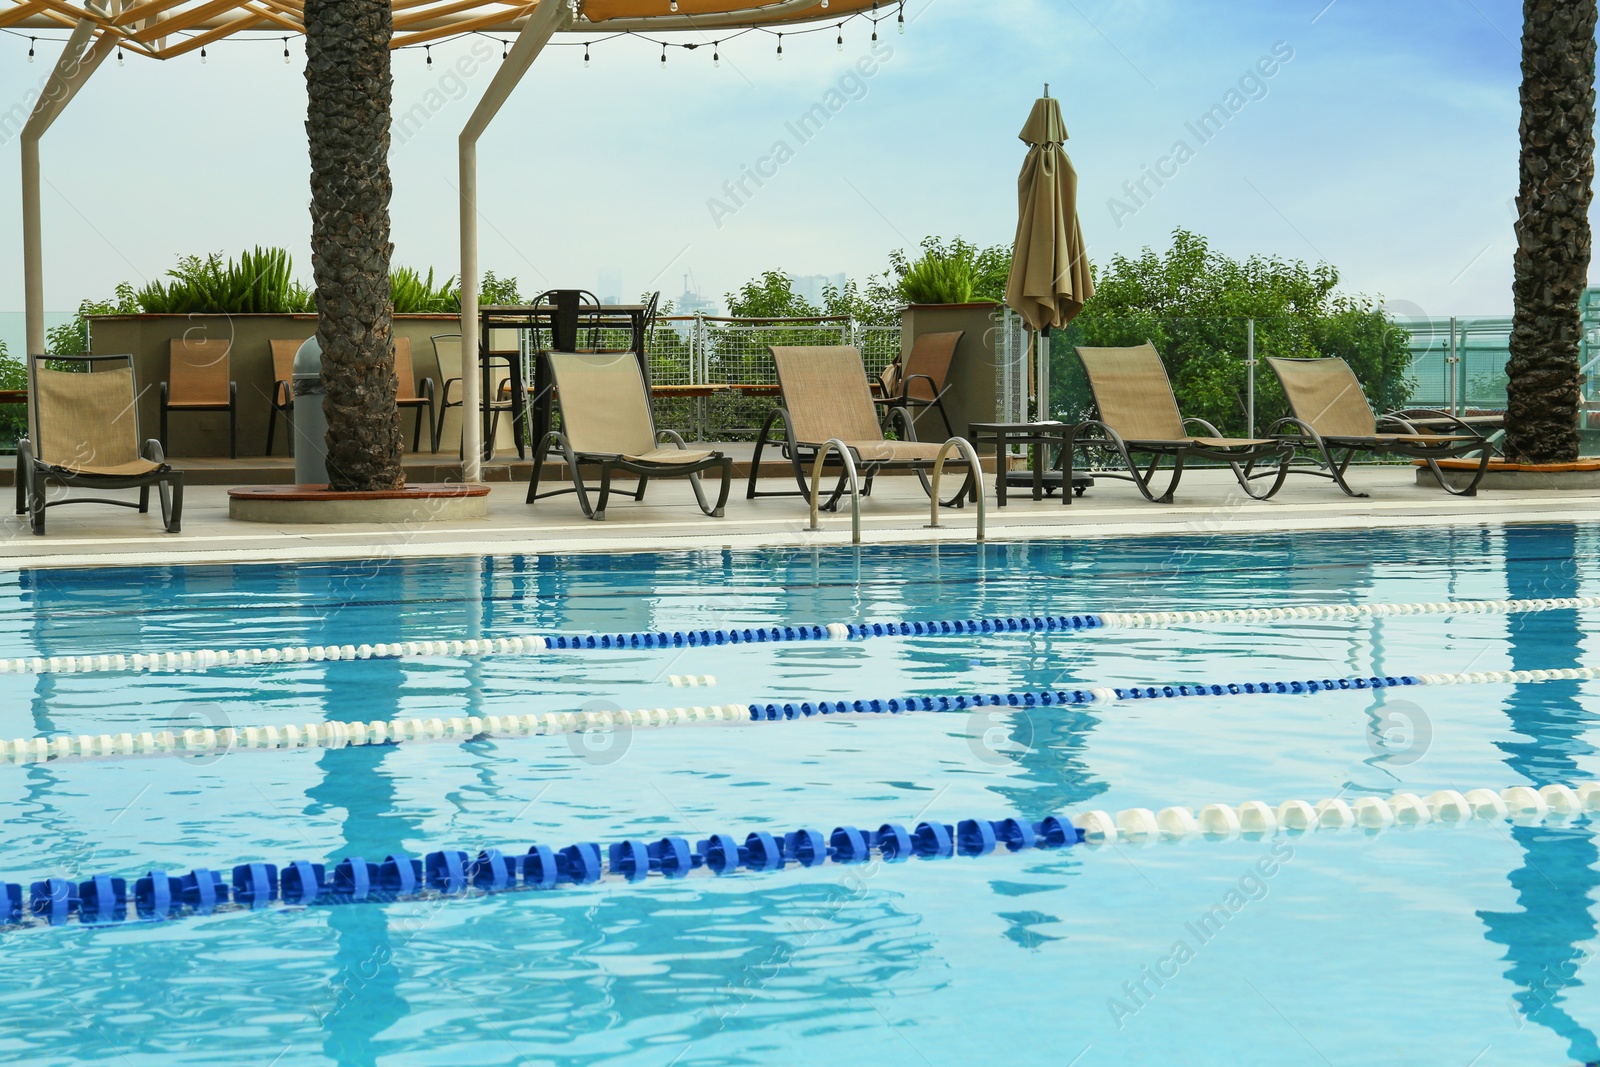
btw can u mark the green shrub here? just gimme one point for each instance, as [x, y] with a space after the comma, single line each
[1193, 304]
[415, 294]
[261, 282]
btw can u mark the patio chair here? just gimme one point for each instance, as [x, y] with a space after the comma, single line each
[1138, 415]
[1331, 417]
[416, 393]
[282, 397]
[447, 351]
[606, 418]
[825, 396]
[919, 381]
[86, 435]
[198, 379]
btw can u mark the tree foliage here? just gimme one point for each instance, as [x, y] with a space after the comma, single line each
[1193, 304]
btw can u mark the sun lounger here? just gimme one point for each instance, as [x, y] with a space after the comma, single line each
[1138, 415]
[825, 396]
[606, 419]
[86, 435]
[1332, 418]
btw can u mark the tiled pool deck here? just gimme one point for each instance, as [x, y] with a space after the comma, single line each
[1209, 503]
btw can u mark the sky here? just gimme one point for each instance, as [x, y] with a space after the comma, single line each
[1384, 142]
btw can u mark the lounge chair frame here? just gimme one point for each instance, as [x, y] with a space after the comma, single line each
[421, 399]
[802, 454]
[612, 462]
[1332, 453]
[35, 475]
[231, 406]
[1241, 457]
[281, 400]
[900, 399]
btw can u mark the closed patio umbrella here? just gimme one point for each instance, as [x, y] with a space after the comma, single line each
[1049, 281]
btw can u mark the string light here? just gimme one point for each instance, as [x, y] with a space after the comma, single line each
[673, 7]
[505, 45]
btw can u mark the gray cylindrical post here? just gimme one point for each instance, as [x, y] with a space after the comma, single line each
[310, 422]
[1250, 376]
[1450, 367]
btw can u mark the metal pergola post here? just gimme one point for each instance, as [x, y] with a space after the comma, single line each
[77, 61]
[546, 20]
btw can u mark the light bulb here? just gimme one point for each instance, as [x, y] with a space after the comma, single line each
[505, 50]
[663, 57]
[716, 53]
[585, 57]
[30, 49]
[429, 50]
[902, 19]
[824, 4]
[841, 38]
[286, 51]
[119, 55]
[780, 48]
[673, 6]
[202, 55]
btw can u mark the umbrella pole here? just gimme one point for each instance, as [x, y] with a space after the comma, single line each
[1041, 376]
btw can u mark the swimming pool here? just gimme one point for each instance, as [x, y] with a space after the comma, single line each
[1447, 945]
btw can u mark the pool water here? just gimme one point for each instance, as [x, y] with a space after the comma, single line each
[1436, 945]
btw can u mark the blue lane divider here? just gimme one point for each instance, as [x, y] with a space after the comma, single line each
[1067, 697]
[837, 631]
[159, 895]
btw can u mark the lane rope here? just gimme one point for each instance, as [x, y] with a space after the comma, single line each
[159, 895]
[209, 659]
[211, 741]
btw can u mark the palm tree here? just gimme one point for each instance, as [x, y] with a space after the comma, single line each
[1552, 259]
[349, 88]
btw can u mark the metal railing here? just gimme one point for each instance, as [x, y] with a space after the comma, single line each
[691, 350]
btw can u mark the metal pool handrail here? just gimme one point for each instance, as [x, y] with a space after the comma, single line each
[833, 444]
[976, 468]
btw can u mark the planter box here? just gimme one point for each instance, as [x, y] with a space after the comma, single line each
[205, 433]
[971, 396]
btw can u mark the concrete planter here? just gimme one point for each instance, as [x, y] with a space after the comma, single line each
[971, 397]
[149, 339]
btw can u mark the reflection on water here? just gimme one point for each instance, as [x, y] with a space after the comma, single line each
[1557, 876]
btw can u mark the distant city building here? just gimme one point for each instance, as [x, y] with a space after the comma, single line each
[692, 303]
[809, 287]
[610, 291]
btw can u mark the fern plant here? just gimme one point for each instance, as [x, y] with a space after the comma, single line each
[940, 278]
[413, 293]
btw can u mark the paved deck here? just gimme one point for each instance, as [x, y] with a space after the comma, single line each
[1208, 504]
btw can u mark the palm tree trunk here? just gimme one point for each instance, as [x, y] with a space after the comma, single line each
[349, 89]
[1552, 259]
